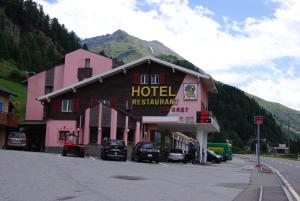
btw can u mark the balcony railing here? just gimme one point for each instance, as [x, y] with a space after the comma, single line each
[9, 119]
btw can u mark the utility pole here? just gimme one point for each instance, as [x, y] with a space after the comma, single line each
[258, 120]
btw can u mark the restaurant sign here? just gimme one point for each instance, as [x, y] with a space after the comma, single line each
[153, 95]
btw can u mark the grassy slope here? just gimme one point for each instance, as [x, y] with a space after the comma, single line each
[282, 114]
[19, 101]
[7, 67]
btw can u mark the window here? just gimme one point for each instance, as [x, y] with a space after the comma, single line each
[1, 106]
[155, 79]
[62, 135]
[48, 89]
[93, 135]
[144, 79]
[66, 105]
[87, 63]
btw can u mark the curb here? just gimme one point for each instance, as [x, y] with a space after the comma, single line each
[287, 188]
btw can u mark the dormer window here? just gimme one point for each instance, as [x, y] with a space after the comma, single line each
[155, 79]
[87, 63]
[144, 79]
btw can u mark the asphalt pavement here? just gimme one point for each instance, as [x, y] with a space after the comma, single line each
[28, 176]
[288, 168]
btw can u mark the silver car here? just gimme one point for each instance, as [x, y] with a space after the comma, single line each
[16, 140]
[176, 155]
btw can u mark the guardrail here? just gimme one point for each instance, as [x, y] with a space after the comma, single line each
[9, 119]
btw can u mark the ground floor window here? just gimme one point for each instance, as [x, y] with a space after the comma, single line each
[155, 138]
[105, 134]
[131, 136]
[93, 135]
[120, 133]
[62, 135]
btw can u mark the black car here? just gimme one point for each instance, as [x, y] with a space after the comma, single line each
[114, 149]
[212, 157]
[145, 151]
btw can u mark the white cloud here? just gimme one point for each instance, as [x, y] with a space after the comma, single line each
[284, 90]
[194, 34]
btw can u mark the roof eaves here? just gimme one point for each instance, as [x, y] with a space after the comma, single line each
[119, 69]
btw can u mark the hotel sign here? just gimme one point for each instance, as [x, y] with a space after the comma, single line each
[153, 96]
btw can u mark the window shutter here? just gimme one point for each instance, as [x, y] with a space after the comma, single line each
[113, 102]
[57, 105]
[76, 105]
[93, 102]
[162, 78]
[136, 78]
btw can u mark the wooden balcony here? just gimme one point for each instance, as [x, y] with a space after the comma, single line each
[9, 119]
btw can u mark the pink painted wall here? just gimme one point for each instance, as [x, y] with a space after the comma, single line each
[137, 134]
[87, 127]
[76, 59]
[113, 124]
[100, 124]
[58, 77]
[204, 96]
[192, 105]
[52, 131]
[35, 89]
[125, 135]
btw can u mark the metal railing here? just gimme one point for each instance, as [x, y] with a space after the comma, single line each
[9, 119]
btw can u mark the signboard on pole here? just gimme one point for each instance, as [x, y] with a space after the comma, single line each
[258, 119]
[203, 117]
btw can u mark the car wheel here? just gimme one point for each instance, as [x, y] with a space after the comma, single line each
[64, 153]
[81, 155]
[124, 159]
[139, 159]
[157, 161]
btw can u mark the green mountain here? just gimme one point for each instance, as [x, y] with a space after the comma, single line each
[287, 118]
[235, 112]
[30, 42]
[124, 47]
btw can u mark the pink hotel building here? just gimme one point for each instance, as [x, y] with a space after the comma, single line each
[147, 99]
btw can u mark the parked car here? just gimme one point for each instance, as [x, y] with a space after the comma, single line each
[223, 149]
[16, 140]
[114, 149]
[176, 155]
[212, 157]
[71, 146]
[145, 151]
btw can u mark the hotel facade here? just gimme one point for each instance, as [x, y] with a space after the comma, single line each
[144, 100]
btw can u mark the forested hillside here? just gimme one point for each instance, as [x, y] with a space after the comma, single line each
[235, 112]
[30, 40]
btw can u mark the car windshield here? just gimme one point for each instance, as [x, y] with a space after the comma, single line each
[117, 142]
[16, 135]
[149, 146]
[177, 151]
[212, 152]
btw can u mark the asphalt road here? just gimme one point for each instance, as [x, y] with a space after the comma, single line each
[27, 176]
[288, 168]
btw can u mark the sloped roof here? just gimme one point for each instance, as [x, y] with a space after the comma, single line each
[208, 80]
[6, 91]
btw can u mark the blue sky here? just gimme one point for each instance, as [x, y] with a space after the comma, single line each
[251, 44]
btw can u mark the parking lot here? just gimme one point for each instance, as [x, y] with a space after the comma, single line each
[40, 176]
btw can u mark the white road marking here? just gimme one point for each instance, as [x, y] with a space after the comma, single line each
[260, 193]
[287, 185]
[92, 158]
[164, 164]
